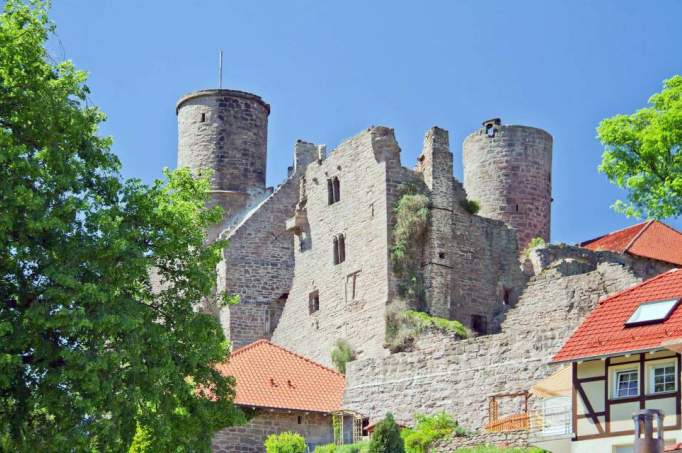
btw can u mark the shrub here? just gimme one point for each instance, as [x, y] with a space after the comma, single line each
[403, 326]
[341, 355]
[285, 443]
[428, 429]
[386, 437]
[470, 206]
[534, 243]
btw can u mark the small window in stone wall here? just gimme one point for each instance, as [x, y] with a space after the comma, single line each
[333, 190]
[339, 245]
[479, 324]
[304, 241]
[203, 117]
[314, 302]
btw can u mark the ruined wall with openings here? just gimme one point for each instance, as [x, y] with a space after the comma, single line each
[258, 264]
[345, 300]
[458, 376]
[469, 262]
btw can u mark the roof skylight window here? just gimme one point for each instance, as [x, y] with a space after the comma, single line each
[652, 312]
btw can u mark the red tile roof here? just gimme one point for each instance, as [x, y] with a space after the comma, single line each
[270, 376]
[652, 239]
[604, 332]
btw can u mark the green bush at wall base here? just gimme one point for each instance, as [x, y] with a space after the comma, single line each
[285, 443]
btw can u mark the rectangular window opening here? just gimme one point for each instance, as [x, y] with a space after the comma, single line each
[663, 378]
[627, 383]
[314, 302]
[333, 190]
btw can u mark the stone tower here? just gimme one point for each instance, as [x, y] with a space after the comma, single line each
[508, 170]
[225, 131]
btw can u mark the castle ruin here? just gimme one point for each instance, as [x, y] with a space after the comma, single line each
[311, 258]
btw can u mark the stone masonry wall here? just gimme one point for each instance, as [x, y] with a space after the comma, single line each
[225, 131]
[352, 294]
[258, 263]
[458, 376]
[509, 174]
[315, 428]
[469, 261]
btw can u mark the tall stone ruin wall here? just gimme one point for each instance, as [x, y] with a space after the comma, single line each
[459, 376]
[352, 294]
[258, 266]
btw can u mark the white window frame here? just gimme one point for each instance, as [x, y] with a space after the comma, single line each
[616, 373]
[662, 364]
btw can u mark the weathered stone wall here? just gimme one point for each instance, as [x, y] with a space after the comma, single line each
[352, 294]
[458, 376]
[258, 265]
[315, 428]
[508, 170]
[503, 440]
[225, 131]
[469, 261]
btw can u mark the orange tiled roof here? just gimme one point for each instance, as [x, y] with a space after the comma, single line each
[652, 239]
[604, 332]
[270, 376]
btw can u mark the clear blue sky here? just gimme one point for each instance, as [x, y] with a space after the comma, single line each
[330, 69]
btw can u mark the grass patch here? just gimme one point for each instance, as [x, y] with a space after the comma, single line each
[403, 326]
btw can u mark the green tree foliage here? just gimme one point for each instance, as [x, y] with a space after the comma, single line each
[429, 428]
[342, 354]
[285, 443]
[386, 437]
[643, 155]
[89, 350]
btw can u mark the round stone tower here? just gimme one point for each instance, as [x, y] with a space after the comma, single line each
[225, 131]
[508, 171]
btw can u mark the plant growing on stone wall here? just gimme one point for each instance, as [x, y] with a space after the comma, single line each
[412, 215]
[428, 429]
[342, 354]
[470, 206]
[534, 243]
[403, 326]
[285, 442]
